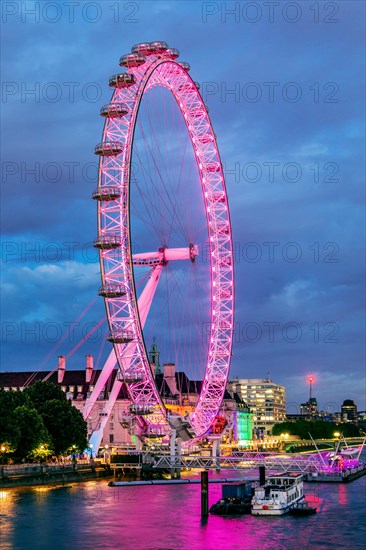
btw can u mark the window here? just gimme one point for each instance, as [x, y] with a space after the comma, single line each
[72, 388]
[63, 388]
[111, 426]
[111, 438]
[80, 389]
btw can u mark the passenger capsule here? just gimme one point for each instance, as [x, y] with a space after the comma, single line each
[132, 377]
[112, 290]
[222, 228]
[106, 193]
[107, 242]
[184, 65]
[206, 138]
[120, 336]
[225, 260]
[144, 48]
[109, 148]
[172, 53]
[216, 197]
[140, 409]
[212, 167]
[225, 294]
[114, 110]
[158, 47]
[132, 60]
[124, 80]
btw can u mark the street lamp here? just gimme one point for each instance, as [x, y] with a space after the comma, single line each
[336, 434]
[106, 453]
[91, 450]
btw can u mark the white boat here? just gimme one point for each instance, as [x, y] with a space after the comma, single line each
[278, 495]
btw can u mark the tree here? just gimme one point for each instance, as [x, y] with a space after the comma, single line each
[32, 431]
[9, 430]
[65, 425]
[38, 421]
[319, 429]
[41, 392]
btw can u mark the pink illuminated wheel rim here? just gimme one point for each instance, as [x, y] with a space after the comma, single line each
[151, 68]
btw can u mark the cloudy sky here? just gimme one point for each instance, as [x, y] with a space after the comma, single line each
[284, 85]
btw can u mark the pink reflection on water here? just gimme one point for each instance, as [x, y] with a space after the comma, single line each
[342, 494]
[169, 518]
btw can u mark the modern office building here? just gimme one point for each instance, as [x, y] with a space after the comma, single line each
[265, 399]
[349, 411]
[310, 408]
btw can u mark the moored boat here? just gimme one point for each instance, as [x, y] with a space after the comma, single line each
[303, 509]
[278, 495]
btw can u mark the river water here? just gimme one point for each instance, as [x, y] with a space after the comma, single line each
[92, 515]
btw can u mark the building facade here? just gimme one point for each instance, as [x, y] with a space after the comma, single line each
[265, 399]
[180, 395]
[349, 411]
[310, 408]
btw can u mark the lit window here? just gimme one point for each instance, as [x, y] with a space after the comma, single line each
[63, 388]
[80, 389]
[72, 388]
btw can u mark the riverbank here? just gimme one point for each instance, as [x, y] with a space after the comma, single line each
[28, 475]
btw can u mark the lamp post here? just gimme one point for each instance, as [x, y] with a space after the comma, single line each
[310, 380]
[338, 435]
[91, 450]
[106, 454]
[2, 460]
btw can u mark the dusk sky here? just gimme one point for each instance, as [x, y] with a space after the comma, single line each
[284, 84]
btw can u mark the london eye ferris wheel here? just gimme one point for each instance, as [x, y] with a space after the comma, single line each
[164, 236]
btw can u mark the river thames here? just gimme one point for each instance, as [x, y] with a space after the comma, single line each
[92, 515]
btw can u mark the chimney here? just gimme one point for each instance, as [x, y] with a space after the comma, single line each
[169, 377]
[61, 368]
[89, 368]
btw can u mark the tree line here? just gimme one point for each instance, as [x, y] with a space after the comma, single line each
[319, 429]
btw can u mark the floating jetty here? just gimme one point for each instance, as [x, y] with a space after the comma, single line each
[236, 499]
[329, 475]
[171, 482]
[340, 466]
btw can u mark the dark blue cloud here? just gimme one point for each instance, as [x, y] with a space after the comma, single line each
[294, 176]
